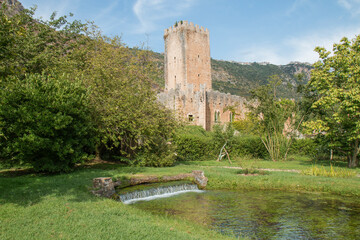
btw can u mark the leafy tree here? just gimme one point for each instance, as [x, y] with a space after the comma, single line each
[45, 121]
[34, 46]
[334, 97]
[274, 118]
[129, 118]
[245, 126]
[125, 111]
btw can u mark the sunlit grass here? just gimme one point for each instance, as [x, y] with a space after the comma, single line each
[38, 206]
[333, 172]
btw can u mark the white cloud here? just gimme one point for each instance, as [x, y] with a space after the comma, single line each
[295, 48]
[262, 53]
[302, 48]
[149, 12]
[353, 6]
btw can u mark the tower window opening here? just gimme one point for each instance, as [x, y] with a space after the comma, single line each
[191, 118]
[217, 116]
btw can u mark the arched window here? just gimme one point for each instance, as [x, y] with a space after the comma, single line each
[217, 116]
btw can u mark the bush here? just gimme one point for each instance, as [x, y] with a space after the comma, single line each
[193, 143]
[306, 146]
[247, 145]
[190, 147]
[46, 122]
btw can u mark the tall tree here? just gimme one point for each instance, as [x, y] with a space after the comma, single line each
[334, 94]
[127, 114]
[29, 45]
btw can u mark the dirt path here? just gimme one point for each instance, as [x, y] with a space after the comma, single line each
[274, 170]
[269, 169]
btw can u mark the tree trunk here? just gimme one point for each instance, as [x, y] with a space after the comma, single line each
[353, 160]
[97, 153]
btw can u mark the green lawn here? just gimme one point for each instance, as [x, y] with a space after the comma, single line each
[34, 206]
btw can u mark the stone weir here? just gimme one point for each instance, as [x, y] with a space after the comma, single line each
[105, 186]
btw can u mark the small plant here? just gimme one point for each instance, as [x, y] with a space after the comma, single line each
[315, 171]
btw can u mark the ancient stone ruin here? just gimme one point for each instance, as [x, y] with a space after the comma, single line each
[188, 86]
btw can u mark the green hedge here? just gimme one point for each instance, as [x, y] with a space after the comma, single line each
[247, 146]
[195, 144]
[306, 146]
[190, 147]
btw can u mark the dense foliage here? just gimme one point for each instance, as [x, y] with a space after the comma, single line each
[195, 144]
[34, 46]
[333, 94]
[128, 120]
[128, 117]
[46, 122]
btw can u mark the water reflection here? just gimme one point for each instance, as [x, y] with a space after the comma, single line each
[266, 215]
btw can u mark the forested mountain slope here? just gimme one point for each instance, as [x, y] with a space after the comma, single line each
[239, 78]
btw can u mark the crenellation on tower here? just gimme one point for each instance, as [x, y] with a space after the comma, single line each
[185, 25]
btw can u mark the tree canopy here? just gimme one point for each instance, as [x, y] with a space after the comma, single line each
[334, 97]
[40, 61]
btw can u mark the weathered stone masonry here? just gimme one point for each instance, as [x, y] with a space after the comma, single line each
[188, 86]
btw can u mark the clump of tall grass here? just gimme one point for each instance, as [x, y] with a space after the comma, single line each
[315, 171]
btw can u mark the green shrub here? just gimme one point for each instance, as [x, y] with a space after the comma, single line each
[161, 154]
[190, 147]
[306, 146]
[46, 122]
[247, 145]
[149, 159]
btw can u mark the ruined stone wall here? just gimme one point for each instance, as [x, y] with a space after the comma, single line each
[187, 57]
[217, 102]
[187, 104]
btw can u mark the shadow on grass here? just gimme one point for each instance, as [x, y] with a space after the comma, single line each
[26, 187]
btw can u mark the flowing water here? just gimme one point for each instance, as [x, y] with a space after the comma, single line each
[266, 214]
[155, 191]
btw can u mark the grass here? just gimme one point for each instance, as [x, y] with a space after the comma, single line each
[334, 172]
[35, 206]
[62, 207]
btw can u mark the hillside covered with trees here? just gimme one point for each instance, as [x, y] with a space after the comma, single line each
[240, 78]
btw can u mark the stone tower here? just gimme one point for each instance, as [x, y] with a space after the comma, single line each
[187, 58]
[188, 92]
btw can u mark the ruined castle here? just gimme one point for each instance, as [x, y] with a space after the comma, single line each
[188, 86]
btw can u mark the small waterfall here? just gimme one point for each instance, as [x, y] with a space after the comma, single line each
[158, 192]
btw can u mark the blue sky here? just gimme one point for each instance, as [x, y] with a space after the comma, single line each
[275, 31]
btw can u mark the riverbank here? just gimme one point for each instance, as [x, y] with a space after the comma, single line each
[35, 206]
